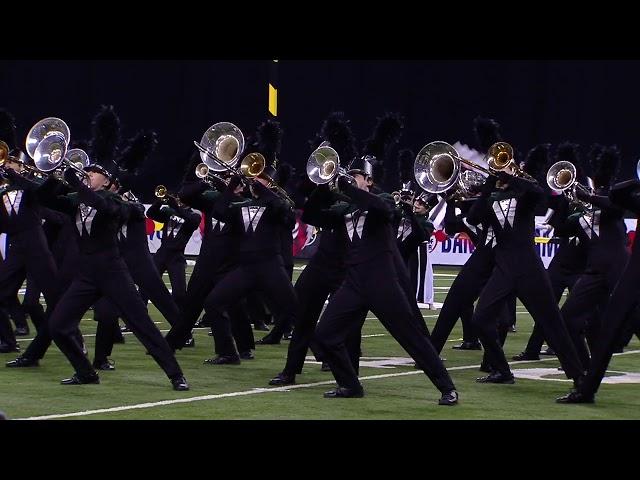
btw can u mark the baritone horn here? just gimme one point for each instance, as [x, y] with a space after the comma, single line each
[221, 146]
[323, 166]
[437, 168]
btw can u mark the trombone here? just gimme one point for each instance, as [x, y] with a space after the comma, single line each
[562, 176]
[253, 165]
[24, 168]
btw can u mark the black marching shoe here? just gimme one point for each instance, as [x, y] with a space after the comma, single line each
[342, 392]
[484, 367]
[248, 355]
[261, 326]
[23, 362]
[468, 346]
[77, 380]
[288, 335]
[268, 340]
[576, 397]
[180, 384]
[526, 356]
[6, 348]
[549, 351]
[202, 323]
[223, 360]
[325, 367]
[191, 343]
[21, 331]
[107, 365]
[497, 377]
[449, 398]
[283, 379]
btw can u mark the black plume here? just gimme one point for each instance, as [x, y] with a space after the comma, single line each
[406, 159]
[608, 164]
[138, 150]
[8, 129]
[269, 139]
[105, 129]
[487, 132]
[385, 135]
[537, 159]
[337, 131]
[284, 174]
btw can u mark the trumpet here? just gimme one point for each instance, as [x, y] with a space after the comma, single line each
[323, 166]
[204, 173]
[562, 176]
[162, 193]
[253, 165]
[406, 195]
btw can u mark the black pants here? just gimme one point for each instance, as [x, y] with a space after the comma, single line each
[31, 302]
[256, 310]
[504, 322]
[583, 309]
[408, 287]
[561, 278]
[17, 313]
[106, 314]
[464, 291]
[149, 280]
[374, 286]
[528, 279]
[105, 274]
[268, 277]
[68, 269]
[174, 263]
[620, 312]
[312, 288]
[280, 325]
[26, 253]
[203, 280]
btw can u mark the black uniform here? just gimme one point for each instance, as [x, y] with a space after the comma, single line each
[27, 251]
[218, 256]
[603, 229]
[102, 272]
[565, 268]
[621, 307]
[179, 225]
[134, 249]
[321, 278]
[371, 282]
[518, 269]
[260, 265]
[470, 281]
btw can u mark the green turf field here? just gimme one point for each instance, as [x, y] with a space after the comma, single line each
[138, 389]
